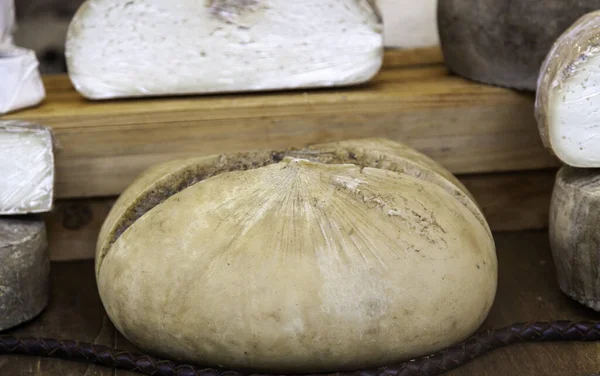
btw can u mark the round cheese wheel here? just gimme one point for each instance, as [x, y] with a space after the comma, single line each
[503, 42]
[575, 234]
[24, 270]
[567, 102]
[335, 257]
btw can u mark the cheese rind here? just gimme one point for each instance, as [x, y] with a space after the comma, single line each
[26, 168]
[165, 47]
[567, 100]
[575, 234]
[504, 42]
[21, 81]
[409, 23]
[24, 270]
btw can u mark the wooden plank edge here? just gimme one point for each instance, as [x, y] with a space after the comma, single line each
[510, 201]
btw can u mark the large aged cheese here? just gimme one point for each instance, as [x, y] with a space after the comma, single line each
[24, 270]
[567, 103]
[409, 23]
[335, 257]
[26, 168]
[575, 234]
[157, 47]
[504, 42]
[21, 84]
[7, 21]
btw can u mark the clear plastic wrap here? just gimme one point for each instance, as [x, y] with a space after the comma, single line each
[7, 21]
[567, 104]
[21, 81]
[26, 168]
[159, 47]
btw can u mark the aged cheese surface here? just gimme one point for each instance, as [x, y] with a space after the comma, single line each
[24, 270]
[575, 234]
[340, 256]
[409, 23]
[26, 168]
[504, 42]
[21, 84]
[163, 47]
[567, 104]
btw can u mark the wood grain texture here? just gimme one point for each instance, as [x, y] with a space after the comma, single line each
[510, 201]
[527, 291]
[468, 127]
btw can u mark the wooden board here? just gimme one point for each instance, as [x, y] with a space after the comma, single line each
[527, 291]
[510, 201]
[468, 127]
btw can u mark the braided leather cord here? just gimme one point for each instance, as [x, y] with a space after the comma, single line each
[435, 364]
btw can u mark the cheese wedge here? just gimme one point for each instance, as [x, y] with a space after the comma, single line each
[26, 168]
[141, 48]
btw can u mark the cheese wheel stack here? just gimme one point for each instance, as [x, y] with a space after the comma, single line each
[26, 188]
[568, 114]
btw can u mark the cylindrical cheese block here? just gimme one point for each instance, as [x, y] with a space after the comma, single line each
[567, 104]
[24, 270]
[575, 234]
[503, 42]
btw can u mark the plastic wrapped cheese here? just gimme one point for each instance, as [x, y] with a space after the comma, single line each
[26, 168]
[409, 23]
[157, 47]
[568, 105]
[21, 82]
[7, 21]
[24, 270]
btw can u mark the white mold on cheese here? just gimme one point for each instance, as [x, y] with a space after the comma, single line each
[568, 97]
[26, 168]
[139, 48]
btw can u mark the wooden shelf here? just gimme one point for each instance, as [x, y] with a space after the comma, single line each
[527, 291]
[468, 127]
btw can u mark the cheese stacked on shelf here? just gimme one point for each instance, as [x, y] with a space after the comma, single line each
[568, 114]
[21, 82]
[26, 188]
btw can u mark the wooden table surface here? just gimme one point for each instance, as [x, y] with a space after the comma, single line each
[527, 291]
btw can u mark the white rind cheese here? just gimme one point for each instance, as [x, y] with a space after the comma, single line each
[568, 104]
[409, 23]
[575, 234]
[21, 82]
[7, 21]
[140, 48]
[26, 168]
